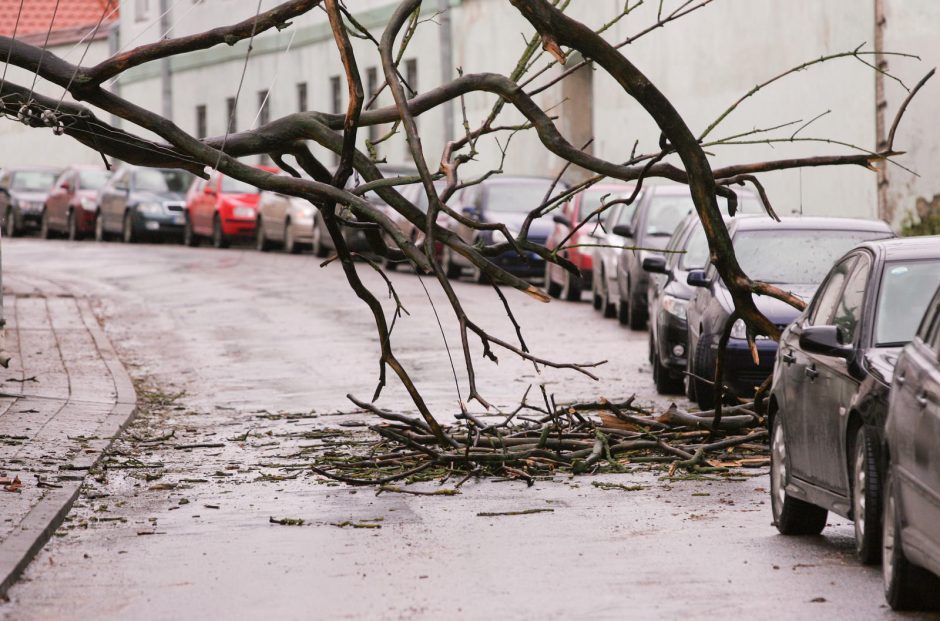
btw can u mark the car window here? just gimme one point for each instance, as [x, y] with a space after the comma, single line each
[696, 250]
[161, 180]
[32, 180]
[234, 186]
[591, 200]
[518, 197]
[666, 212]
[92, 179]
[849, 307]
[828, 296]
[794, 256]
[906, 290]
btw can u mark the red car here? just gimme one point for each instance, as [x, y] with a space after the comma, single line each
[71, 204]
[558, 281]
[221, 209]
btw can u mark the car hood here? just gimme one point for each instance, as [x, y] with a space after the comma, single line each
[237, 200]
[881, 362]
[539, 228]
[30, 197]
[777, 311]
[160, 197]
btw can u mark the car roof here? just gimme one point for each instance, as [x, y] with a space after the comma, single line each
[678, 189]
[902, 248]
[31, 168]
[756, 222]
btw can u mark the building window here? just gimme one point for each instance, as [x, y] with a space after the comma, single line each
[336, 95]
[231, 114]
[411, 75]
[141, 10]
[301, 96]
[201, 129]
[264, 108]
[372, 86]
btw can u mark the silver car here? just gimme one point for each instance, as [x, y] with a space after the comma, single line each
[606, 256]
[287, 221]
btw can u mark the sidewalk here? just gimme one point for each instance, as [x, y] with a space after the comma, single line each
[62, 399]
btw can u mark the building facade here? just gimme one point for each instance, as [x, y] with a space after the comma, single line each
[704, 62]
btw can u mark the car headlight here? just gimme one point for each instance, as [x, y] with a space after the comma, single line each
[305, 214]
[675, 306]
[150, 209]
[243, 211]
[88, 204]
[739, 330]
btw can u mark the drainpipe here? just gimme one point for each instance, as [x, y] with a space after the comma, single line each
[447, 63]
[114, 46]
[885, 209]
[166, 81]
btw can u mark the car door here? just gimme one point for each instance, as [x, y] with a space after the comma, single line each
[58, 200]
[117, 202]
[202, 206]
[832, 383]
[798, 372]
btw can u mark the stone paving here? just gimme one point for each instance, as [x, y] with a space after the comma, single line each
[62, 399]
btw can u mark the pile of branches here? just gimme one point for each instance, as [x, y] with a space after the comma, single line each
[532, 441]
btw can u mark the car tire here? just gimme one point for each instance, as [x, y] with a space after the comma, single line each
[551, 287]
[623, 312]
[319, 248]
[570, 288]
[907, 586]
[703, 367]
[100, 234]
[388, 264]
[44, 232]
[219, 240]
[127, 229]
[597, 301]
[451, 269]
[190, 239]
[290, 244]
[608, 308]
[72, 227]
[637, 316]
[480, 277]
[792, 516]
[10, 228]
[262, 243]
[666, 384]
[866, 496]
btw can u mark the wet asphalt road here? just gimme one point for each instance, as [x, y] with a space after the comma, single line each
[239, 332]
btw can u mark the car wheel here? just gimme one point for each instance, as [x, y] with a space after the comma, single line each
[219, 240]
[480, 277]
[688, 380]
[388, 264]
[866, 497]
[290, 244]
[907, 586]
[792, 516]
[262, 243]
[703, 369]
[10, 222]
[570, 288]
[609, 309]
[44, 232]
[666, 383]
[451, 269]
[127, 230]
[100, 234]
[190, 238]
[596, 300]
[73, 233]
[551, 287]
[319, 248]
[623, 311]
[637, 316]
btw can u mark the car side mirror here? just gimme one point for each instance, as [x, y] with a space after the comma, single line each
[696, 278]
[825, 340]
[655, 265]
[560, 219]
[623, 230]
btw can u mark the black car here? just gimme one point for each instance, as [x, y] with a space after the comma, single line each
[911, 517]
[831, 381]
[140, 202]
[507, 200]
[23, 193]
[793, 254]
[660, 210]
[669, 296]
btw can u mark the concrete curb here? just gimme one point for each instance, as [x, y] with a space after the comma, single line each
[31, 534]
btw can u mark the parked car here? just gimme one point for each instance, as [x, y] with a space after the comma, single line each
[285, 220]
[558, 281]
[661, 209]
[72, 202]
[507, 200]
[795, 255]
[139, 202]
[669, 294]
[911, 517]
[831, 381]
[221, 209]
[606, 254]
[23, 192]
[415, 194]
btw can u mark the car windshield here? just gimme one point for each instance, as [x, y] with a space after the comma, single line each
[591, 200]
[520, 197]
[234, 186]
[906, 289]
[666, 212]
[32, 181]
[794, 256]
[161, 180]
[92, 179]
